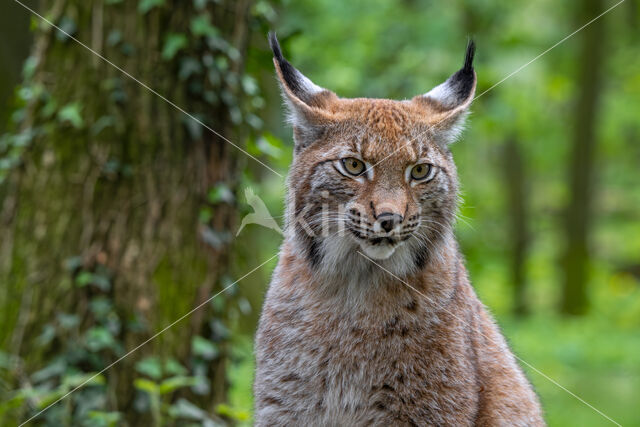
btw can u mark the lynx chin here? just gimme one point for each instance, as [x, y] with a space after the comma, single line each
[370, 318]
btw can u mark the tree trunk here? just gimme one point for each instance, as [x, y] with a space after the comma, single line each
[516, 200]
[579, 211]
[115, 184]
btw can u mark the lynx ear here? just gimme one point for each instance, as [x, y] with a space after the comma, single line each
[308, 103]
[446, 105]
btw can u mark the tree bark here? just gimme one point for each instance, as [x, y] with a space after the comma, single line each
[123, 187]
[579, 212]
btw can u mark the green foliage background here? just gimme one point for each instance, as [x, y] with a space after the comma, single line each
[400, 48]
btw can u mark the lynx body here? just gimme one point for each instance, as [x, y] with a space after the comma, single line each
[370, 318]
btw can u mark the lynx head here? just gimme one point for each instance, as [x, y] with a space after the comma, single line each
[373, 176]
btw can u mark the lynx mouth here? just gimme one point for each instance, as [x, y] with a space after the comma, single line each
[379, 247]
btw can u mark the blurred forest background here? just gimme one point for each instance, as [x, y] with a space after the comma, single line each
[119, 213]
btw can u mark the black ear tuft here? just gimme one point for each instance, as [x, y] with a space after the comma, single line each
[292, 77]
[468, 58]
[462, 81]
[275, 46]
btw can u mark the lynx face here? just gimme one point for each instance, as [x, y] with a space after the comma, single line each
[372, 175]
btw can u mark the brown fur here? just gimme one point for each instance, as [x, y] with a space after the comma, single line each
[400, 340]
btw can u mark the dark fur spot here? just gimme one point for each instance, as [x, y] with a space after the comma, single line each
[412, 305]
[420, 257]
[390, 326]
[271, 400]
[313, 252]
[290, 377]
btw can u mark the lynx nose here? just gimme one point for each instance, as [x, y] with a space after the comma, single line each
[389, 220]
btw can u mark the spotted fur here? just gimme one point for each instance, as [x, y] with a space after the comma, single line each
[368, 326]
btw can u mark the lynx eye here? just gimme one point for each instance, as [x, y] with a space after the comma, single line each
[421, 171]
[353, 166]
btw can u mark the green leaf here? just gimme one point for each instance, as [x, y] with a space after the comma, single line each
[70, 113]
[68, 321]
[189, 67]
[89, 378]
[103, 418]
[151, 367]
[201, 26]
[84, 278]
[173, 367]
[204, 348]
[173, 43]
[98, 280]
[220, 193]
[66, 26]
[55, 369]
[229, 412]
[185, 409]
[73, 263]
[200, 4]
[145, 6]
[205, 215]
[99, 338]
[100, 307]
[114, 37]
[47, 335]
[146, 385]
[174, 383]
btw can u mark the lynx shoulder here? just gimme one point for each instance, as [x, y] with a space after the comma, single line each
[370, 318]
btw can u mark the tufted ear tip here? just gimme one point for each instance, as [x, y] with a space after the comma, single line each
[307, 103]
[275, 45]
[469, 55]
[447, 104]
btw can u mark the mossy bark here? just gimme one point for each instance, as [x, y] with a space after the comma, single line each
[119, 181]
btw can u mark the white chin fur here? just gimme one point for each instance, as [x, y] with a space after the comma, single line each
[378, 251]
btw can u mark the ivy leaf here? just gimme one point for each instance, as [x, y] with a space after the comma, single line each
[53, 370]
[146, 385]
[99, 338]
[215, 239]
[185, 409]
[151, 367]
[70, 113]
[173, 367]
[145, 6]
[103, 418]
[234, 414]
[114, 37]
[201, 26]
[68, 321]
[189, 67]
[67, 26]
[203, 348]
[205, 215]
[220, 193]
[47, 335]
[173, 43]
[174, 383]
[87, 278]
[100, 307]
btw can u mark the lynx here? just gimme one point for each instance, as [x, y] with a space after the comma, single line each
[370, 318]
